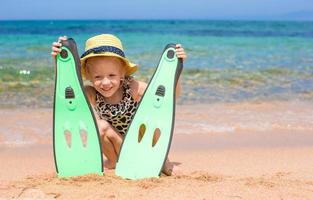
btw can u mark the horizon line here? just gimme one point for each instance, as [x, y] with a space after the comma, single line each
[169, 19]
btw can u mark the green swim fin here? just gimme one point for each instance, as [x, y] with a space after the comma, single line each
[76, 143]
[140, 157]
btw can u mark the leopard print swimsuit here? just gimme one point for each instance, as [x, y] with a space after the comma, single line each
[118, 115]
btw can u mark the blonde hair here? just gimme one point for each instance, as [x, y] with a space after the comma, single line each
[122, 64]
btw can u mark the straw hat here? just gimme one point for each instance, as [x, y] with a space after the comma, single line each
[105, 45]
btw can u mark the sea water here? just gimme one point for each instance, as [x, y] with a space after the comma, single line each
[227, 60]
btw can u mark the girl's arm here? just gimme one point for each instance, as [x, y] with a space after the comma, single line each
[180, 52]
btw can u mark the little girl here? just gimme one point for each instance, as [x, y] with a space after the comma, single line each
[113, 93]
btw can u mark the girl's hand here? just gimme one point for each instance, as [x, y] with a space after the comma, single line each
[56, 46]
[180, 52]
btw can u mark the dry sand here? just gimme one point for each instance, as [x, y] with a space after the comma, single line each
[225, 151]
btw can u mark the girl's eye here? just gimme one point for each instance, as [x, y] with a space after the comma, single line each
[112, 75]
[97, 77]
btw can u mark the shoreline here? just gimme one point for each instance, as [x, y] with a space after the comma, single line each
[200, 85]
[231, 124]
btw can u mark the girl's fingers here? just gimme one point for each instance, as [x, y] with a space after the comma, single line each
[56, 49]
[62, 38]
[56, 44]
[181, 56]
[178, 45]
[181, 53]
[180, 49]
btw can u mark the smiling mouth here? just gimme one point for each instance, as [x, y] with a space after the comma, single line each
[106, 89]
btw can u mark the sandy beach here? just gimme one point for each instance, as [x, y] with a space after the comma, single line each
[249, 150]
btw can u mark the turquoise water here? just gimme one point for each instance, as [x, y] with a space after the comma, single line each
[227, 60]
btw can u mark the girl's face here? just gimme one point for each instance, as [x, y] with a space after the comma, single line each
[106, 74]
